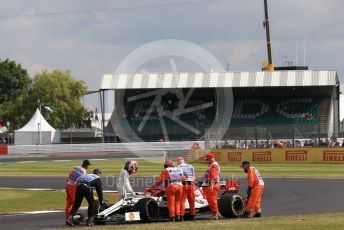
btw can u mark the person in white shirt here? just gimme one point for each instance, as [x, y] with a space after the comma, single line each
[123, 183]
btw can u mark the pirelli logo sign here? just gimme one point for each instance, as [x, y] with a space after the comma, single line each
[261, 156]
[234, 156]
[295, 156]
[333, 156]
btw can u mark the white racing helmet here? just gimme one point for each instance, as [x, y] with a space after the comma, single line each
[131, 166]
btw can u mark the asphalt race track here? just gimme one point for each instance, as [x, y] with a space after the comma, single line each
[280, 197]
[109, 183]
[73, 156]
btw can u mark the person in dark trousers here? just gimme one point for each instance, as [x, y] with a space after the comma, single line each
[71, 185]
[86, 184]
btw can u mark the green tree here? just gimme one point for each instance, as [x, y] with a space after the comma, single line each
[62, 93]
[18, 111]
[13, 80]
[56, 89]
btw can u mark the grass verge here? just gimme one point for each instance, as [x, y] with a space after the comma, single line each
[153, 168]
[305, 222]
[21, 200]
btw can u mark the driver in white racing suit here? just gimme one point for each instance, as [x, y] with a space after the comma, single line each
[123, 183]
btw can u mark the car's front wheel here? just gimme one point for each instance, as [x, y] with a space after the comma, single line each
[148, 208]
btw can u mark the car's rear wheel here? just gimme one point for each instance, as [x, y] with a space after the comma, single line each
[149, 209]
[231, 206]
[78, 218]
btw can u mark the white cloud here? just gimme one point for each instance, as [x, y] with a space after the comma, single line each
[92, 44]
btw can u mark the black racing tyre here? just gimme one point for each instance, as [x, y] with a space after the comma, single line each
[78, 218]
[149, 209]
[231, 206]
[98, 221]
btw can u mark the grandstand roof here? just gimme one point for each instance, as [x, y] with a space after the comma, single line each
[217, 80]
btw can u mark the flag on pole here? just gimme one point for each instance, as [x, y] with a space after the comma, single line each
[47, 108]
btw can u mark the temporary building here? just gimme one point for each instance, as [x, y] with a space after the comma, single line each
[37, 131]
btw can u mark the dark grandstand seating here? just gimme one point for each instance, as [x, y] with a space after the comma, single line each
[246, 112]
[276, 110]
[136, 112]
[257, 113]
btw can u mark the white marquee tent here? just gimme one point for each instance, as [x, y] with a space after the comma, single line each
[3, 130]
[36, 131]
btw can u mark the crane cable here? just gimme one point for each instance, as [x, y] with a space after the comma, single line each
[99, 11]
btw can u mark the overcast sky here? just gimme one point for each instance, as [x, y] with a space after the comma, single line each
[91, 44]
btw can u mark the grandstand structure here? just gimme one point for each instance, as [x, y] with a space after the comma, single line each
[226, 106]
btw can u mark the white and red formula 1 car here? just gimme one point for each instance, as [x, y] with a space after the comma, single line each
[151, 205]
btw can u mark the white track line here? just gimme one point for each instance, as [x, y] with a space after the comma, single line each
[110, 191]
[61, 160]
[37, 212]
[24, 162]
[34, 189]
[31, 213]
[44, 189]
[41, 212]
[133, 158]
[50, 189]
[100, 159]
